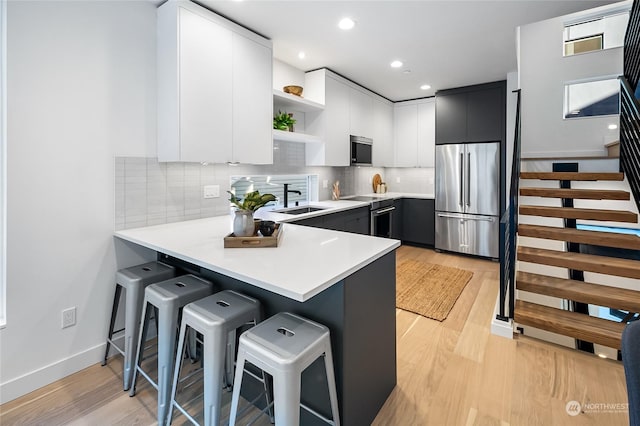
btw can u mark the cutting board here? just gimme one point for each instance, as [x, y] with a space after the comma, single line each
[377, 180]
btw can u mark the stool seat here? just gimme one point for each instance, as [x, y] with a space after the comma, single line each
[216, 318]
[228, 308]
[284, 346]
[134, 280]
[167, 298]
[288, 339]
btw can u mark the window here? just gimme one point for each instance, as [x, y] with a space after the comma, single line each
[3, 160]
[592, 98]
[598, 33]
[241, 185]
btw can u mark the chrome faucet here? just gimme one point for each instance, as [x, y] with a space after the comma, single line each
[286, 194]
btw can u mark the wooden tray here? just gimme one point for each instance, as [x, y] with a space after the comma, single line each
[231, 241]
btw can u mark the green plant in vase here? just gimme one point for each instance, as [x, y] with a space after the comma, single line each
[284, 121]
[243, 223]
[252, 200]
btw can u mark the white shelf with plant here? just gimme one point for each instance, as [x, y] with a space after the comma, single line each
[283, 129]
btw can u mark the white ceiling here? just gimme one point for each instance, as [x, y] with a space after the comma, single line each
[443, 43]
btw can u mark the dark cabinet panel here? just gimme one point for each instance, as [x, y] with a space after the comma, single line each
[485, 112]
[418, 221]
[334, 221]
[451, 118]
[357, 221]
[397, 220]
[471, 114]
[314, 222]
[354, 220]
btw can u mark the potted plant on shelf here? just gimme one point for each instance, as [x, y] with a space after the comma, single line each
[284, 121]
[243, 224]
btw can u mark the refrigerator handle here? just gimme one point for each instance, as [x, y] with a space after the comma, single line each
[468, 179]
[461, 179]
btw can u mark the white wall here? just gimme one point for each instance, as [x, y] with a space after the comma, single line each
[81, 90]
[286, 75]
[543, 72]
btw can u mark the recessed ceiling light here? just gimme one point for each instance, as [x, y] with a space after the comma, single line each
[301, 55]
[396, 64]
[346, 23]
[425, 87]
[613, 126]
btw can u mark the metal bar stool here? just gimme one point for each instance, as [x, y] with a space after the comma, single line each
[134, 280]
[284, 346]
[168, 298]
[216, 318]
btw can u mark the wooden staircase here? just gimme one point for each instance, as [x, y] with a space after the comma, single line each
[576, 325]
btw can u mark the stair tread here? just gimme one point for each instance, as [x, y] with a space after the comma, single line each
[585, 194]
[581, 262]
[576, 213]
[572, 176]
[578, 326]
[580, 291]
[607, 239]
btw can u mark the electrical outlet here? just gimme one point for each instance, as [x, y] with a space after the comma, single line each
[398, 179]
[211, 191]
[325, 184]
[69, 317]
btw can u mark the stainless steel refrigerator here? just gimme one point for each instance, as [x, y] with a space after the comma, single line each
[468, 198]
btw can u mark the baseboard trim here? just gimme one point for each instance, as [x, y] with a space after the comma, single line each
[36, 379]
[498, 327]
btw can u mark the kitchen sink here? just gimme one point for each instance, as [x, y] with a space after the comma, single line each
[299, 210]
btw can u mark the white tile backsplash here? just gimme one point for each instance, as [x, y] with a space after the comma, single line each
[151, 193]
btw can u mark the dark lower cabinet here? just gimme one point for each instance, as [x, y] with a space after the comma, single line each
[314, 222]
[418, 221]
[357, 221]
[397, 220]
[354, 220]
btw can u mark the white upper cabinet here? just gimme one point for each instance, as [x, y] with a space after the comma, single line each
[405, 123]
[252, 102]
[426, 133]
[337, 144]
[331, 125]
[360, 113]
[382, 121]
[214, 88]
[414, 133]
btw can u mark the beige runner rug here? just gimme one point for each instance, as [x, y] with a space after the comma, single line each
[429, 290]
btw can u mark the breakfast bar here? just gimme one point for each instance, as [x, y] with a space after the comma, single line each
[342, 280]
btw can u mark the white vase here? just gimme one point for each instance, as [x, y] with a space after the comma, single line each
[243, 225]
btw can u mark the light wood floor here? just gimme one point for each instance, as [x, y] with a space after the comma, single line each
[449, 373]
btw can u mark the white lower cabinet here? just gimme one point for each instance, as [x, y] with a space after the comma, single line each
[214, 88]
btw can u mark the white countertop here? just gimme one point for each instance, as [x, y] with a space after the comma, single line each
[306, 261]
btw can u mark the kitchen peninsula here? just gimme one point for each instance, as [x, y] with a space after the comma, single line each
[345, 281]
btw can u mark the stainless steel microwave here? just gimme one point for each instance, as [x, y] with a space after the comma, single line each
[361, 148]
